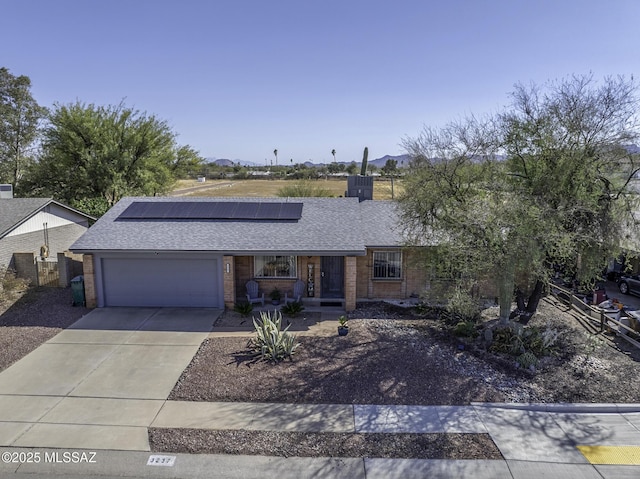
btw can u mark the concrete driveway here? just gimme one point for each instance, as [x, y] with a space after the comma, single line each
[102, 381]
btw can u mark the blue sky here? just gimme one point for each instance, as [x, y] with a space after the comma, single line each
[237, 78]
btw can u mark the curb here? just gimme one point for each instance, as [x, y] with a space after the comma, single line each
[586, 408]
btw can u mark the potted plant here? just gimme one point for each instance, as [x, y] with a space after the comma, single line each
[343, 326]
[275, 296]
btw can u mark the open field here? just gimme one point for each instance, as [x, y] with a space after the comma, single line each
[269, 188]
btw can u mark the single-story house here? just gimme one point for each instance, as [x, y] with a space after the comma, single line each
[40, 228]
[201, 251]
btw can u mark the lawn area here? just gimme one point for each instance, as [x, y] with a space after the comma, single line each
[269, 188]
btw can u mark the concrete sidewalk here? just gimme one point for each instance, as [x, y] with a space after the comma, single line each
[535, 440]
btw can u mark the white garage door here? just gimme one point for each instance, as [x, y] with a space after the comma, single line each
[160, 282]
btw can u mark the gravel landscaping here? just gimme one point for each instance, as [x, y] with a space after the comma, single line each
[378, 362]
[288, 444]
[30, 317]
[395, 360]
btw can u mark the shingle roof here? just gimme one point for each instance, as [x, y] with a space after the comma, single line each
[380, 223]
[327, 226]
[14, 211]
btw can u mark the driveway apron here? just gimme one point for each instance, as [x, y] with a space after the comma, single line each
[101, 382]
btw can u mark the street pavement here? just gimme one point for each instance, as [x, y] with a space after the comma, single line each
[81, 405]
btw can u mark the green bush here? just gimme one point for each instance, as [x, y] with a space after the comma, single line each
[540, 341]
[517, 340]
[461, 307]
[507, 340]
[465, 329]
[272, 343]
[592, 343]
[526, 360]
[292, 309]
[245, 309]
[303, 189]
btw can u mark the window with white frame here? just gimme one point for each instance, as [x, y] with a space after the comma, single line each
[275, 266]
[387, 265]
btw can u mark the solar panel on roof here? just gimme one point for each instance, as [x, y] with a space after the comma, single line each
[268, 210]
[290, 211]
[211, 210]
[245, 211]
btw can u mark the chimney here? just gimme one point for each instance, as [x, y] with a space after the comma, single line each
[360, 187]
[6, 192]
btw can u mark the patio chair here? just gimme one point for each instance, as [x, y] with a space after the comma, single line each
[252, 293]
[298, 291]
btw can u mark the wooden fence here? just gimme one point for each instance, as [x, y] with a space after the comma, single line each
[594, 318]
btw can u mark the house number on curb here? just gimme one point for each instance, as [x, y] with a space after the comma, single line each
[155, 460]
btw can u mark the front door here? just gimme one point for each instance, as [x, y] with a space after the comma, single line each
[332, 274]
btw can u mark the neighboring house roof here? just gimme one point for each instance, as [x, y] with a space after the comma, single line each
[15, 211]
[338, 226]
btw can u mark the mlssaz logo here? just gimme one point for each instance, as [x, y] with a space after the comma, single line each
[70, 457]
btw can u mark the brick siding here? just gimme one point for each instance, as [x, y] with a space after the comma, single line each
[412, 283]
[89, 281]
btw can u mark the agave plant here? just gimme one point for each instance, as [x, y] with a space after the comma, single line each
[292, 309]
[272, 342]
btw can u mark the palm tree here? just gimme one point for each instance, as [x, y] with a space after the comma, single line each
[333, 152]
[275, 153]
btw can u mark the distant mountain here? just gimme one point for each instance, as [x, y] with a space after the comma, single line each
[220, 161]
[403, 160]
[226, 162]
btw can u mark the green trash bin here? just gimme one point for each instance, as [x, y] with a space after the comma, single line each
[77, 289]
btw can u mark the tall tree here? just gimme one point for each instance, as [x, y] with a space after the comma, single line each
[390, 167]
[100, 154]
[186, 162]
[540, 187]
[333, 152]
[275, 153]
[352, 168]
[20, 116]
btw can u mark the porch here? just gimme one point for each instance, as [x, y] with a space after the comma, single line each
[330, 281]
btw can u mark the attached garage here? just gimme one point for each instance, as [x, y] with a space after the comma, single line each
[161, 281]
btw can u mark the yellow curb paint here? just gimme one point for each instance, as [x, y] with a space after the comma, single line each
[620, 455]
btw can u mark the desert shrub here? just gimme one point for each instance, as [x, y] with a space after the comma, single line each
[10, 282]
[303, 189]
[245, 309]
[461, 307]
[465, 329]
[540, 341]
[526, 360]
[592, 343]
[292, 309]
[507, 340]
[272, 343]
[550, 338]
[517, 340]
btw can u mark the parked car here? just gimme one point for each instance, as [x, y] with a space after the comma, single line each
[629, 284]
